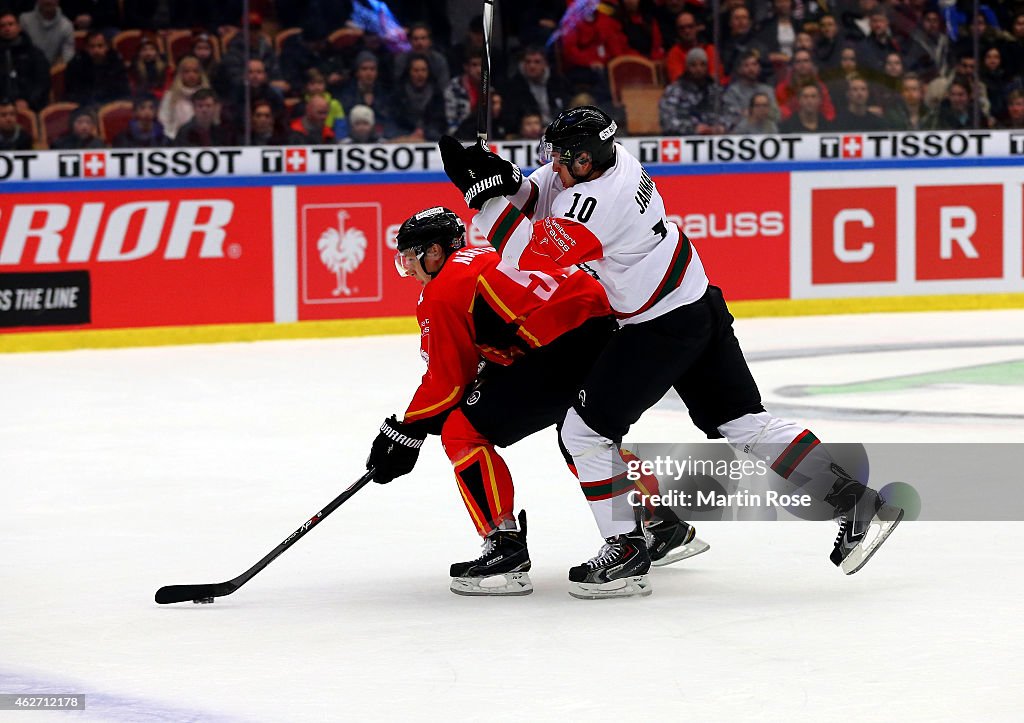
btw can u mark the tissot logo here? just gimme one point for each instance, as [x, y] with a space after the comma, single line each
[295, 160]
[671, 151]
[273, 161]
[69, 165]
[1017, 144]
[95, 165]
[853, 146]
[649, 151]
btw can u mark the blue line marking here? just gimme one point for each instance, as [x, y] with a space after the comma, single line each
[108, 707]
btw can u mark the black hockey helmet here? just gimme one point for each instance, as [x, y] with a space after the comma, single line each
[584, 129]
[437, 225]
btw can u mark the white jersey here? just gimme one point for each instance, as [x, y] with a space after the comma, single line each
[613, 227]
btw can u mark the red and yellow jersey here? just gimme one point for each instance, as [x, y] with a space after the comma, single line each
[479, 306]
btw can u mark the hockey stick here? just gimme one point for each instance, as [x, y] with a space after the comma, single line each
[207, 592]
[483, 110]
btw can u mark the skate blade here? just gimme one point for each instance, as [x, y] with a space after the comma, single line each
[508, 584]
[638, 585]
[690, 549]
[860, 554]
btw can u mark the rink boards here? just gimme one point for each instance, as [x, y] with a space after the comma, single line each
[201, 244]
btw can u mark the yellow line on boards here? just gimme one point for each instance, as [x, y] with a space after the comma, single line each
[222, 333]
[207, 334]
[876, 305]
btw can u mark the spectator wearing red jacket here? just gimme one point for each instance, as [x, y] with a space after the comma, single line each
[802, 72]
[686, 40]
[587, 48]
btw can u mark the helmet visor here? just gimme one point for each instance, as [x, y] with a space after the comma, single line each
[407, 261]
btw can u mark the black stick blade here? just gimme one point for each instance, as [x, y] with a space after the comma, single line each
[184, 593]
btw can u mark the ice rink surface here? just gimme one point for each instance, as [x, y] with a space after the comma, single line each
[125, 470]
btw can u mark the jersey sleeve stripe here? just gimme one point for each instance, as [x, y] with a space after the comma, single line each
[502, 230]
[673, 276]
[444, 402]
[507, 313]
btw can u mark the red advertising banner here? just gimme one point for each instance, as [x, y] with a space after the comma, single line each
[346, 239]
[153, 258]
[740, 225]
[853, 235]
[960, 232]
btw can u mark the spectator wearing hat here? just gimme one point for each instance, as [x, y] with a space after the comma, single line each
[312, 129]
[50, 31]
[205, 128]
[12, 136]
[688, 106]
[96, 74]
[144, 130]
[366, 88]
[24, 70]
[82, 133]
[362, 126]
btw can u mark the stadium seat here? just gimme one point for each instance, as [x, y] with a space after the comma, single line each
[627, 71]
[179, 44]
[282, 36]
[127, 43]
[642, 110]
[30, 124]
[114, 118]
[53, 121]
[344, 38]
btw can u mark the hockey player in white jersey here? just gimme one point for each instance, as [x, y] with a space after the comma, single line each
[594, 206]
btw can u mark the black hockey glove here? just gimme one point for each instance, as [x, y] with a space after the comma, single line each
[395, 450]
[478, 173]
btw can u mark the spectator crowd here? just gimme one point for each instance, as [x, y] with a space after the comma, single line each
[131, 73]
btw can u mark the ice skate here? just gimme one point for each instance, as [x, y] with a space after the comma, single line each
[502, 568]
[618, 570]
[672, 541]
[865, 521]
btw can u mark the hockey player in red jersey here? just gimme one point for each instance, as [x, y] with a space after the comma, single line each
[594, 206]
[537, 333]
